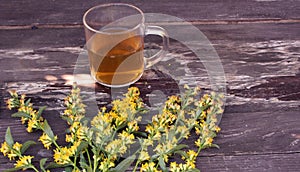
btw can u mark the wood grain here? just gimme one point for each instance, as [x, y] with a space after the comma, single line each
[30, 12]
[251, 163]
[257, 42]
[260, 69]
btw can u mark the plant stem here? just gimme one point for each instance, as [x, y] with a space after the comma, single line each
[95, 164]
[54, 142]
[138, 161]
[74, 163]
[136, 165]
[114, 133]
[33, 167]
[89, 158]
[199, 149]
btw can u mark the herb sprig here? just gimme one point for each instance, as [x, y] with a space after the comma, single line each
[107, 143]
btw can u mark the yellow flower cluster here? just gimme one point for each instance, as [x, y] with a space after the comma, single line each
[73, 114]
[206, 126]
[104, 131]
[78, 132]
[46, 140]
[178, 117]
[144, 156]
[122, 117]
[62, 155]
[160, 123]
[149, 167]
[74, 106]
[128, 107]
[106, 164]
[32, 117]
[5, 149]
[13, 102]
[25, 161]
[166, 133]
[100, 145]
[11, 152]
[189, 164]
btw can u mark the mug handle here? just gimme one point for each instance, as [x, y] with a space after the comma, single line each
[156, 30]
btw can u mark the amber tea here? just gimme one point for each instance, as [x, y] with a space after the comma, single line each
[115, 42]
[117, 59]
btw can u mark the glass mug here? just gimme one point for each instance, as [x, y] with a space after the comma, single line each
[115, 43]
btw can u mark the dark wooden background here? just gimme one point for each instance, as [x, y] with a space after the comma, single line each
[258, 42]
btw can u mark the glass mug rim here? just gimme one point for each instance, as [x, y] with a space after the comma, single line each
[141, 22]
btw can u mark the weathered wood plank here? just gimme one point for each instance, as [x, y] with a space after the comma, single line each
[254, 61]
[63, 12]
[258, 133]
[251, 163]
[260, 126]
[218, 35]
[27, 38]
[245, 138]
[254, 65]
[262, 75]
[242, 133]
[240, 163]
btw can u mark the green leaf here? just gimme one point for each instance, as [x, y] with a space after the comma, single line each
[54, 165]
[39, 113]
[82, 146]
[193, 170]
[89, 169]
[155, 156]
[142, 134]
[26, 145]
[12, 169]
[48, 130]
[83, 163]
[68, 169]
[20, 114]
[27, 102]
[215, 146]
[182, 153]
[85, 121]
[42, 164]
[171, 133]
[124, 165]
[162, 164]
[122, 126]
[66, 118]
[8, 137]
[178, 147]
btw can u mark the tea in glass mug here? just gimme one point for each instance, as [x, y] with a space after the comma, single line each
[115, 43]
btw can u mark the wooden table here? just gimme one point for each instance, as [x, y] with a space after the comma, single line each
[258, 42]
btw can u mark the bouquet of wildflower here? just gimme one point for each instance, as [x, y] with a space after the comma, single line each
[106, 142]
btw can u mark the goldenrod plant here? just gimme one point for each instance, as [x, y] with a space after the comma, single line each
[105, 144]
